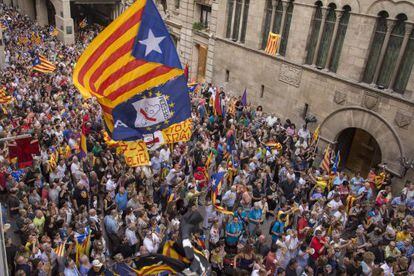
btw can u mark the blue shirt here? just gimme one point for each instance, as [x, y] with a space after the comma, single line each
[121, 201]
[278, 227]
[233, 228]
[255, 214]
[111, 225]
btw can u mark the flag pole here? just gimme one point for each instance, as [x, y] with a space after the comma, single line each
[15, 137]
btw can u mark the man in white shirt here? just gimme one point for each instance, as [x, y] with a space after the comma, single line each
[173, 174]
[335, 203]
[151, 242]
[165, 154]
[131, 236]
[271, 120]
[229, 198]
[304, 133]
[75, 168]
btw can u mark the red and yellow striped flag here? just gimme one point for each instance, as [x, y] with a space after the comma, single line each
[273, 43]
[60, 250]
[109, 70]
[326, 162]
[4, 98]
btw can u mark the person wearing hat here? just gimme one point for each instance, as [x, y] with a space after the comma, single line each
[98, 269]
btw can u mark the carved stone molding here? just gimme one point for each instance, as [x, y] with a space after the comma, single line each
[402, 120]
[371, 101]
[290, 74]
[340, 98]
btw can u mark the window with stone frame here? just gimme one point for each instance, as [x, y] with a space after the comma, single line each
[278, 17]
[286, 29]
[391, 56]
[237, 16]
[377, 41]
[340, 38]
[326, 39]
[404, 72]
[205, 13]
[313, 38]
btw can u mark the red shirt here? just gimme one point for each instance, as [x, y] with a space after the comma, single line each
[302, 223]
[317, 244]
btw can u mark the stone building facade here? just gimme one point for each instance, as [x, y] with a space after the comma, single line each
[347, 63]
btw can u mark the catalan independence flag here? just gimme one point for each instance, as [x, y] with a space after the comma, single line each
[326, 162]
[41, 64]
[216, 182]
[133, 69]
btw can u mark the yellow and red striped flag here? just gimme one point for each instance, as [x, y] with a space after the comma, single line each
[41, 64]
[83, 23]
[273, 43]
[60, 250]
[315, 136]
[326, 162]
[4, 98]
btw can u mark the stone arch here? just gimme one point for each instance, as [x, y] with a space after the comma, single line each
[393, 8]
[354, 4]
[388, 139]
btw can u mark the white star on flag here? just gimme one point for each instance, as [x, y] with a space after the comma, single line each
[152, 43]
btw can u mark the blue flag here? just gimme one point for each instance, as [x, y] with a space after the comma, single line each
[216, 179]
[152, 110]
[244, 98]
[336, 162]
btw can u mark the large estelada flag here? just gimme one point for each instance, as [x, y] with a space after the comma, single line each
[133, 69]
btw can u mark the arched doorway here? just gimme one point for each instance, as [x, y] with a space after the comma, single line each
[392, 149]
[359, 150]
[51, 12]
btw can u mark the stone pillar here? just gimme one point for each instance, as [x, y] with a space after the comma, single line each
[384, 47]
[282, 24]
[321, 29]
[335, 32]
[254, 27]
[241, 21]
[299, 30]
[2, 54]
[272, 18]
[64, 22]
[233, 15]
[408, 29]
[41, 13]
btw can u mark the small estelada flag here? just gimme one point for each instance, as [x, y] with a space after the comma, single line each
[273, 43]
[41, 64]
[83, 23]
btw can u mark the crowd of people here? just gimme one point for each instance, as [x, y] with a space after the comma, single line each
[278, 214]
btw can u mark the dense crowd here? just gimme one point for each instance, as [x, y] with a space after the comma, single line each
[289, 216]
